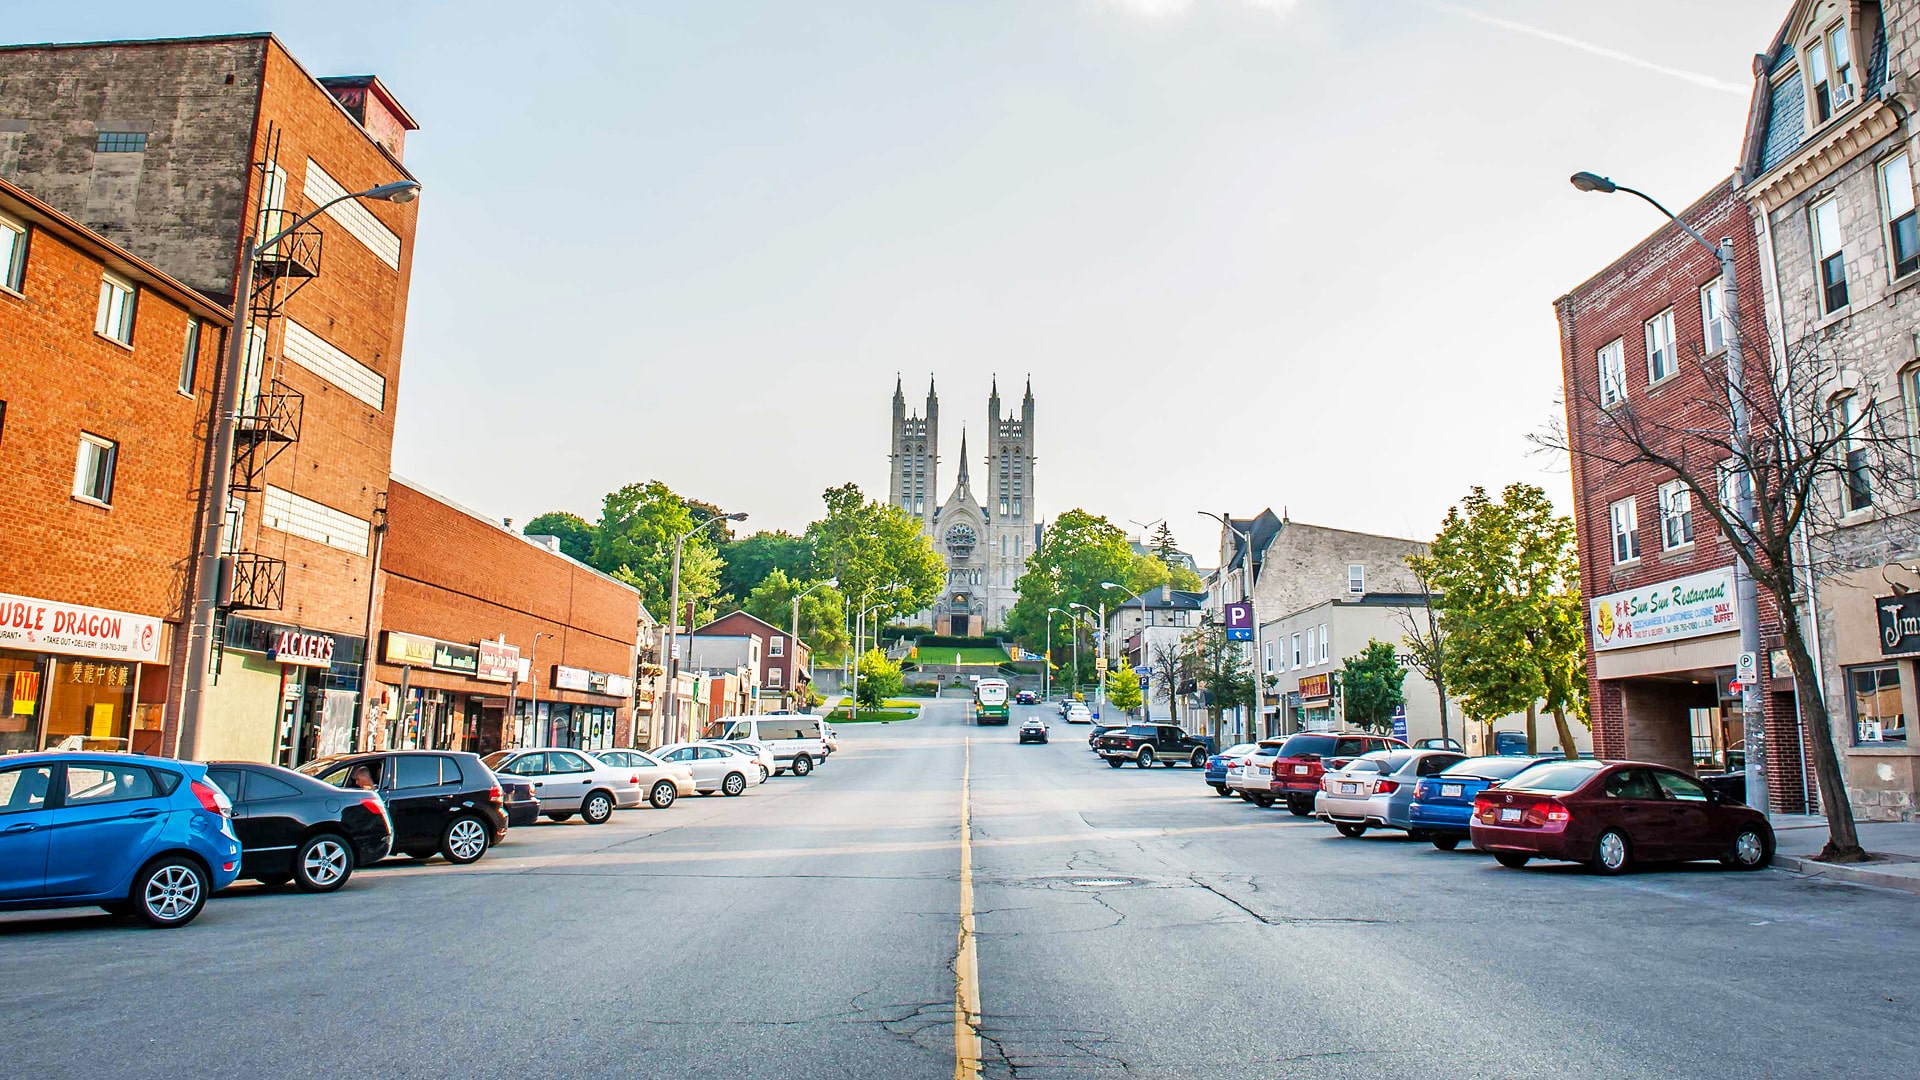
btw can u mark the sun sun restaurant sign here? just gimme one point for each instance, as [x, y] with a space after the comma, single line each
[45, 626]
[1674, 610]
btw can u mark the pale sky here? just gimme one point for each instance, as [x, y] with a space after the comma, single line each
[1295, 253]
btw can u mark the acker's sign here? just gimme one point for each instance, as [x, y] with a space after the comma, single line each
[1899, 624]
[302, 649]
[1673, 610]
[46, 626]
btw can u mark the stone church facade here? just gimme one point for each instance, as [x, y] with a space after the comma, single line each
[985, 543]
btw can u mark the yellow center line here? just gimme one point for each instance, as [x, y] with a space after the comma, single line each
[966, 964]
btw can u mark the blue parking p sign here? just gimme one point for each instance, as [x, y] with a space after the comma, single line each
[1239, 620]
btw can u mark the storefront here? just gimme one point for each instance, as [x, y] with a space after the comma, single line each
[283, 693]
[1874, 695]
[449, 695]
[79, 678]
[584, 725]
[1315, 697]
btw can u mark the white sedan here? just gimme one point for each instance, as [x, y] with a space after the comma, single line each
[1078, 713]
[663, 781]
[761, 753]
[716, 766]
[569, 782]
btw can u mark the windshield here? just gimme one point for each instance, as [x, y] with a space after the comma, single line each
[1489, 768]
[314, 767]
[1554, 778]
[1308, 746]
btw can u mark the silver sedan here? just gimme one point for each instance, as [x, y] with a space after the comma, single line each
[716, 766]
[569, 782]
[759, 751]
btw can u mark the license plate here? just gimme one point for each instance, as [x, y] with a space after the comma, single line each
[1299, 770]
[1449, 791]
[1348, 789]
[1509, 814]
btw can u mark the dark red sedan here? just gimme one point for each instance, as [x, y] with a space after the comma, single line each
[1611, 814]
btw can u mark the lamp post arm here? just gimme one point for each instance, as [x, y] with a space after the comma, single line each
[1673, 217]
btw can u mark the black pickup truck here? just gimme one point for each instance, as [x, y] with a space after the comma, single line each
[1145, 744]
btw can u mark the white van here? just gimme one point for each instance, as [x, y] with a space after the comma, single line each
[797, 741]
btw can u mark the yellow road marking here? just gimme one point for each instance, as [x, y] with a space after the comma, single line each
[966, 964]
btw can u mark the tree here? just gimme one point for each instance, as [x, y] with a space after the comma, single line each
[1179, 574]
[634, 542]
[877, 552]
[1221, 669]
[1371, 684]
[751, 559]
[880, 679]
[1427, 646]
[1123, 688]
[1173, 665]
[1079, 551]
[822, 611]
[575, 532]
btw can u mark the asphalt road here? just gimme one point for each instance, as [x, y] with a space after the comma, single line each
[1129, 923]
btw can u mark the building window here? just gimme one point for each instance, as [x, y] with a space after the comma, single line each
[1310, 644]
[1356, 579]
[1266, 653]
[1660, 357]
[1676, 515]
[1326, 642]
[93, 469]
[115, 318]
[1829, 73]
[1297, 662]
[1626, 530]
[1903, 229]
[1829, 249]
[1878, 717]
[190, 357]
[1857, 489]
[13, 255]
[120, 142]
[773, 677]
[1713, 323]
[776, 646]
[1612, 361]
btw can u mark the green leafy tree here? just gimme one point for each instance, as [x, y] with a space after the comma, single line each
[752, 558]
[877, 552]
[1123, 688]
[1221, 668]
[1371, 686]
[1079, 551]
[880, 679]
[575, 532]
[634, 542]
[822, 611]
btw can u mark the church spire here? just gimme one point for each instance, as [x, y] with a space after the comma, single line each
[1029, 396]
[963, 457]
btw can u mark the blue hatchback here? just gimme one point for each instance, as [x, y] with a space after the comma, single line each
[1443, 804]
[136, 835]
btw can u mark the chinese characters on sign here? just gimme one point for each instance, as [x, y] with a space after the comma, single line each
[116, 675]
[1673, 610]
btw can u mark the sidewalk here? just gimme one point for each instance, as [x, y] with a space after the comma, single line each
[1798, 838]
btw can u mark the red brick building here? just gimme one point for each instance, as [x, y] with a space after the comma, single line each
[491, 640]
[105, 367]
[783, 662]
[178, 149]
[1656, 576]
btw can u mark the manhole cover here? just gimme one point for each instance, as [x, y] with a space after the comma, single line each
[1102, 883]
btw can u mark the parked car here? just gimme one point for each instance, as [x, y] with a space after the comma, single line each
[716, 767]
[1612, 814]
[761, 753]
[1218, 764]
[798, 739]
[1026, 697]
[570, 782]
[1440, 744]
[1250, 776]
[1305, 757]
[664, 781]
[1375, 790]
[1443, 805]
[1034, 730]
[443, 801]
[828, 737]
[1077, 713]
[519, 799]
[1098, 729]
[295, 828]
[142, 836]
[1149, 744]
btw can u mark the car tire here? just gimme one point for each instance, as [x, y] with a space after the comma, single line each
[1113, 762]
[1752, 849]
[1222, 790]
[733, 785]
[1350, 830]
[596, 808]
[568, 816]
[170, 892]
[1145, 758]
[1198, 759]
[323, 863]
[662, 795]
[1446, 843]
[1612, 854]
[1263, 801]
[1299, 807]
[802, 765]
[465, 840]
[1512, 860]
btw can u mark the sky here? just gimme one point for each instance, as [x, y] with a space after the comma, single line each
[1288, 253]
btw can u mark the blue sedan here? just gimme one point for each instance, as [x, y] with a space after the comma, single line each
[1442, 807]
[143, 836]
[1218, 764]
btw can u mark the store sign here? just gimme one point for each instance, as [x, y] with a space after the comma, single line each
[1316, 686]
[26, 692]
[592, 682]
[301, 648]
[620, 686]
[1673, 610]
[45, 626]
[1899, 624]
[499, 662]
[570, 678]
[411, 650]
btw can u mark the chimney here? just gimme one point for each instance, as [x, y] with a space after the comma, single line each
[367, 100]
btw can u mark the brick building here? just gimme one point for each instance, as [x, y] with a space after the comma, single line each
[778, 661]
[491, 640]
[178, 149]
[1640, 339]
[106, 364]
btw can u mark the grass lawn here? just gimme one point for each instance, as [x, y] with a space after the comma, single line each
[872, 716]
[971, 654]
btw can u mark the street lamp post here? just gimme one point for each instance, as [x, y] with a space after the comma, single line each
[793, 635]
[1745, 596]
[853, 708]
[1145, 703]
[673, 617]
[1046, 668]
[1253, 643]
[206, 594]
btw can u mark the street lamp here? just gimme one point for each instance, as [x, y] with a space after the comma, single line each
[1253, 621]
[1099, 688]
[1745, 596]
[533, 685]
[206, 594]
[793, 637]
[1143, 625]
[1046, 668]
[673, 617]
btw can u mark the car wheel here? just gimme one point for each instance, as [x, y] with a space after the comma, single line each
[1263, 801]
[1512, 860]
[1300, 807]
[1198, 760]
[170, 892]
[1113, 762]
[1347, 828]
[464, 841]
[597, 808]
[1145, 760]
[734, 784]
[322, 864]
[802, 765]
[662, 795]
[1752, 849]
[568, 816]
[1222, 790]
[1446, 843]
[1611, 854]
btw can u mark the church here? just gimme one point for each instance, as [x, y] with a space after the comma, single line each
[985, 544]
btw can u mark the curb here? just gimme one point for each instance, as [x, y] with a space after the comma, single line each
[1851, 874]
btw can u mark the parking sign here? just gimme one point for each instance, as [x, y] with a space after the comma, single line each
[1239, 620]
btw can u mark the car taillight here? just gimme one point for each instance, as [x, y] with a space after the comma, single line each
[494, 795]
[1483, 810]
[212, 798]
[634, 779]
[1385, 787]
[374, 806]
[1541, 813]
[1424, 791]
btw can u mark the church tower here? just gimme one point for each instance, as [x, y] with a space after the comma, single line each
[913, 482]
[1010, 504]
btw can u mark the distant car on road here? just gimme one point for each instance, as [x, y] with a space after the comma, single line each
[799, 740]
[760, 752]
[441, 801]
[1078, 713]
[1375, 791]
[1149, 744]
[1443, 804]
[1026, 697]
[570, 782]
[1218, 764]
[1034, 730]
[295, 828]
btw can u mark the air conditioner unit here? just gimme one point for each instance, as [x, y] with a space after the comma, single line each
[1842, 95]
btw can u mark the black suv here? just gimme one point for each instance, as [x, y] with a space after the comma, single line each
[295, 828]
[440, 801]
[1144, 744]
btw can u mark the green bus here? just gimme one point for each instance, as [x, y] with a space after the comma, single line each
[990, 701]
